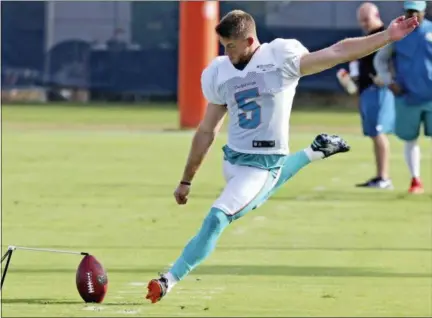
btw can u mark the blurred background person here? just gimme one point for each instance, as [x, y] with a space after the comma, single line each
[376, 104]
[412, 85]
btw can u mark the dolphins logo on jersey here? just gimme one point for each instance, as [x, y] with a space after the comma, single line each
[265, 67]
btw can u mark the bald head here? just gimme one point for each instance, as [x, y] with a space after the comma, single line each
[367, 9]
[368, 17]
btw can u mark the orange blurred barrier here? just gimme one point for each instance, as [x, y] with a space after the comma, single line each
[198, 46]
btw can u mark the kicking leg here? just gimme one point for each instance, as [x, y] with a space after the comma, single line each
[322, 147]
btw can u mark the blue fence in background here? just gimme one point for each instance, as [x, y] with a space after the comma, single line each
[150, 68]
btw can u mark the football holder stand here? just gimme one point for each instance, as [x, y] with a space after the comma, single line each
[8, 256]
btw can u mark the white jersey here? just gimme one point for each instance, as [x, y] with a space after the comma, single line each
[259, 98]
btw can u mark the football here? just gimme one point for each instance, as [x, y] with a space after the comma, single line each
[91, 280]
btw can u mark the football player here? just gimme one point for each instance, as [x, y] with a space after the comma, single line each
[255, 83]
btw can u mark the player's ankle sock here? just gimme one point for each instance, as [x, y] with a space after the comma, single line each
[201, 245]
[171, 280]
[293, 164]
[412, 158]
[313, 155]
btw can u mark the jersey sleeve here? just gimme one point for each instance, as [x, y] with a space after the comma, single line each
[382, 64]
[208, 85]
[288, 53]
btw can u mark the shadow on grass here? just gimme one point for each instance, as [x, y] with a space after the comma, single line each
[41, 301]
[328, 195]
[251, 270]
[363, 196]
[211, 192]
[50, 301]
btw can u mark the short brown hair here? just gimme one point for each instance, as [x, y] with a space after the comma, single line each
[235, 25]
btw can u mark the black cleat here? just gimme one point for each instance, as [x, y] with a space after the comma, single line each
[329, 145]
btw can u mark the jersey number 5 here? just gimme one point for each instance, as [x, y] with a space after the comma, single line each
[250, 111]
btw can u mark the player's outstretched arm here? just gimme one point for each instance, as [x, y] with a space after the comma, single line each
[201, 142]
[356, 48]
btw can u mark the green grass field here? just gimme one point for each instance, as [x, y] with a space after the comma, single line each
[97, 179]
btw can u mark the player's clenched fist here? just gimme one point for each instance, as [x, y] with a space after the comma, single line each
[181, 193]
